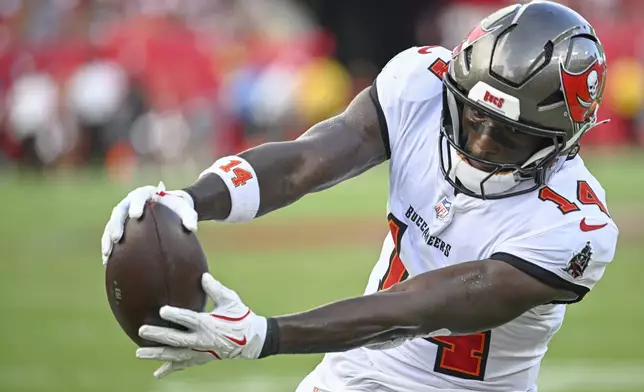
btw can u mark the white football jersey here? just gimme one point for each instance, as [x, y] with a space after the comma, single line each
[561, 234]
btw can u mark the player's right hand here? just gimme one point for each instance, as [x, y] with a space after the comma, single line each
[132, 207]
[230, 331]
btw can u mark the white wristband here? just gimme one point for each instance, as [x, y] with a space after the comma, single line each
[243, 186]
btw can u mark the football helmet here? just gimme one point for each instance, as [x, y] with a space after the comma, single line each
[533, 69]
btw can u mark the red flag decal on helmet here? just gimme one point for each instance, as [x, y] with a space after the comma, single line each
[583, 91]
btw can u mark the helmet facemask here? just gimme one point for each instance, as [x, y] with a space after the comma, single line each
[538, 69]
[488, 178]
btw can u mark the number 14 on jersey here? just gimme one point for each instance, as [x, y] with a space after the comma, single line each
[457, 356]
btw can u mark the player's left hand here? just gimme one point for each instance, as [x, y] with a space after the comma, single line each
[132, 207]
[230, 331]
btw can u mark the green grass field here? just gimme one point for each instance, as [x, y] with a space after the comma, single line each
[58, 333]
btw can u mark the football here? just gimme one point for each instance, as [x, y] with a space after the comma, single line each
[157, 262]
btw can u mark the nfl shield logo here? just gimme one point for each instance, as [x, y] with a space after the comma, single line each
[443, 208]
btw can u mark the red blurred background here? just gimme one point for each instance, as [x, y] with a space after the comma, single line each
[119, 83]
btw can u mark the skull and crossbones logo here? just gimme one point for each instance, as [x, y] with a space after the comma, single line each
[583, 90]
[592, 82]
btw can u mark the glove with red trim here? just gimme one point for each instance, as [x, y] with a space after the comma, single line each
[132, 206]
[230, 331]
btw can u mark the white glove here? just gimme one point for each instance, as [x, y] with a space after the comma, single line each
[132, 206]
[230, 331]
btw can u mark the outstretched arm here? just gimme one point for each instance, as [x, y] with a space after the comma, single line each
[270, 176]
[328, 153]
[469, 297]
[464, 298]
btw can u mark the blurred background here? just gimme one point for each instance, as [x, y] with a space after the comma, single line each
[100, 96]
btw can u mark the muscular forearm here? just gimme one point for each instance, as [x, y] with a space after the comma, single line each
[275, 177]
[349, 324]
[463, 299]
[331, 151]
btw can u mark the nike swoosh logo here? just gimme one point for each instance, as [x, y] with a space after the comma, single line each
[241, 342]
[586, 227]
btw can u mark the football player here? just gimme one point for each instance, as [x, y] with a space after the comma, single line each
[495, 222]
